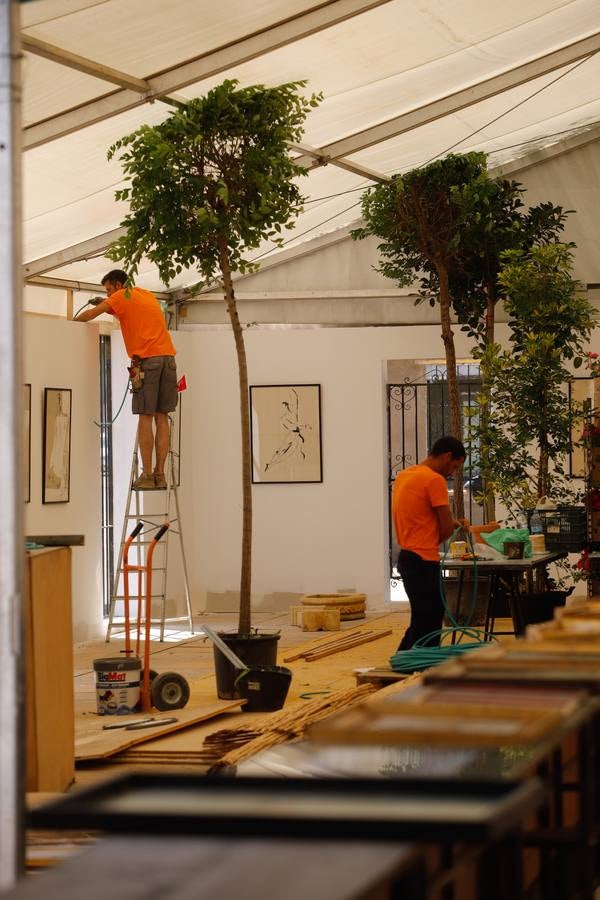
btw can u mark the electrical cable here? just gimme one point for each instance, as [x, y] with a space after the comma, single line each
[94, 301]
[512, 108]
[422, 655]
[112, 421]
[442, 152]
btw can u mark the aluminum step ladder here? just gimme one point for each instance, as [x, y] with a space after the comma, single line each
[152, 521]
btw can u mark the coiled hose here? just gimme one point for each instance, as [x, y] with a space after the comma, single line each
[422, 655]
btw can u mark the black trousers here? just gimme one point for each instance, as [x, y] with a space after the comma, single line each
[421, 579]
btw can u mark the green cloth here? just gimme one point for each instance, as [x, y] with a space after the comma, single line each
[497, 538]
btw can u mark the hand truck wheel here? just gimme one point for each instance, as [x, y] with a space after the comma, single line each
[169, 691]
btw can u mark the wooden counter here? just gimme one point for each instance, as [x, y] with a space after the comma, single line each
[49, 670]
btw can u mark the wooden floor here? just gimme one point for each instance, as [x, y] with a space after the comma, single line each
[192, 656]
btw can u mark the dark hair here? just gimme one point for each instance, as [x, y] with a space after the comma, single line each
[449, 444]
[115, 276]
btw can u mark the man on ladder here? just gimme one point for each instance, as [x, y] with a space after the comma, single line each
[152, 371]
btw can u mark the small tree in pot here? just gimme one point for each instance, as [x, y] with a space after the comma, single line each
[532, 418]
[422, 222]
[207, 185]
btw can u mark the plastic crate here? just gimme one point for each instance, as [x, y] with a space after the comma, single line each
[565, 528]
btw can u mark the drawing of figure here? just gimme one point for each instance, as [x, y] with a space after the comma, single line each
[292, 443]
[57, 473]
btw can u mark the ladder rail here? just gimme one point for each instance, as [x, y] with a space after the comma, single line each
[171, 495]
[132, 477]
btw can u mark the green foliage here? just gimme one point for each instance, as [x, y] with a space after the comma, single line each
[497, 224]
[421, 216]
[218, 166]
[529, 433]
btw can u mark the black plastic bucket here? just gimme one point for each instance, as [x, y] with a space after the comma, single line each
[264, 687]
[253, 650]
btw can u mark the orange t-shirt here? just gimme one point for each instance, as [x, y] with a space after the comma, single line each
[417, 491]
[142, 323]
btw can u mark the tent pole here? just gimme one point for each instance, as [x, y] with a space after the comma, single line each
[12, 744]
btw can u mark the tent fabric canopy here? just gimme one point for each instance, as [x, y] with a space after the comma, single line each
[404, 82]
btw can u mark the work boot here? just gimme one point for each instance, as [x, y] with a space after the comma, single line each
[144, 483]
[160, 482]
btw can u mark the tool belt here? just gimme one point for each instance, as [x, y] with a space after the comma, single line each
[136, 375]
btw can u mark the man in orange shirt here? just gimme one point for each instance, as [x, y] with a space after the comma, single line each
[422, 520]
[153, 371]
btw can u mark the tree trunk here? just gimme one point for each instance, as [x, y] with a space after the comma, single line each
[244, 621]
[543, 488]
[489, 500]
[453, 395]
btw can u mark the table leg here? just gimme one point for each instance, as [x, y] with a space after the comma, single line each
[490, 613]
[500, 870]
[461, 579]
[515, 602]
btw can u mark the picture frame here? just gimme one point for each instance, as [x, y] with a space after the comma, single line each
[27, 443]
[285, 433]
[56, 452]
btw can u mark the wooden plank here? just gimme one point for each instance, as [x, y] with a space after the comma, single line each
[324, 643]
[91, 742]
[561, 700]
[204, 868]
[355, 642]
[464, 725]
[379, 676]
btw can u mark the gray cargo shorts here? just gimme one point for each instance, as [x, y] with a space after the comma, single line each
[158, 393]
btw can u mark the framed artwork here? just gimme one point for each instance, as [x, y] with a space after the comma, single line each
[56, 475]
[285, 433]
[27, 442]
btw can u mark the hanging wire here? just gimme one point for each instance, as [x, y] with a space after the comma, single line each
[114, 419]
[512, 108]
[441, 153]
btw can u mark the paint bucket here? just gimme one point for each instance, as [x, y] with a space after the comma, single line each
[117, 685]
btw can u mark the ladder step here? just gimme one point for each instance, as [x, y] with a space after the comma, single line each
[137, 543]
[155, 623]
[149, 516]
[143, 569]
[122, 597]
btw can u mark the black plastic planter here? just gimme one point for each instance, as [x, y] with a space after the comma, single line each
[264, 688]
[252, 649]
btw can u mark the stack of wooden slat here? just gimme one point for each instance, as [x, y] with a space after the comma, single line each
[337, 645]
[231, 746]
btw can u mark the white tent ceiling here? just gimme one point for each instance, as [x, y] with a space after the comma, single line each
[404, 81]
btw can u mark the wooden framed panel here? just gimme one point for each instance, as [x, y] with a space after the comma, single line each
[27, 443]
[286, 433]
[56, 474]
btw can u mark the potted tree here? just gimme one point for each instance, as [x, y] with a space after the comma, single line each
[532, 422]
[495, 221]
[421, 220]
[207, 185]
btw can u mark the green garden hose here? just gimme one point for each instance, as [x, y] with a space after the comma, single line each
[420, 656]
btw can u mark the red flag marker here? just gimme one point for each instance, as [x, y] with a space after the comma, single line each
[182, 384]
